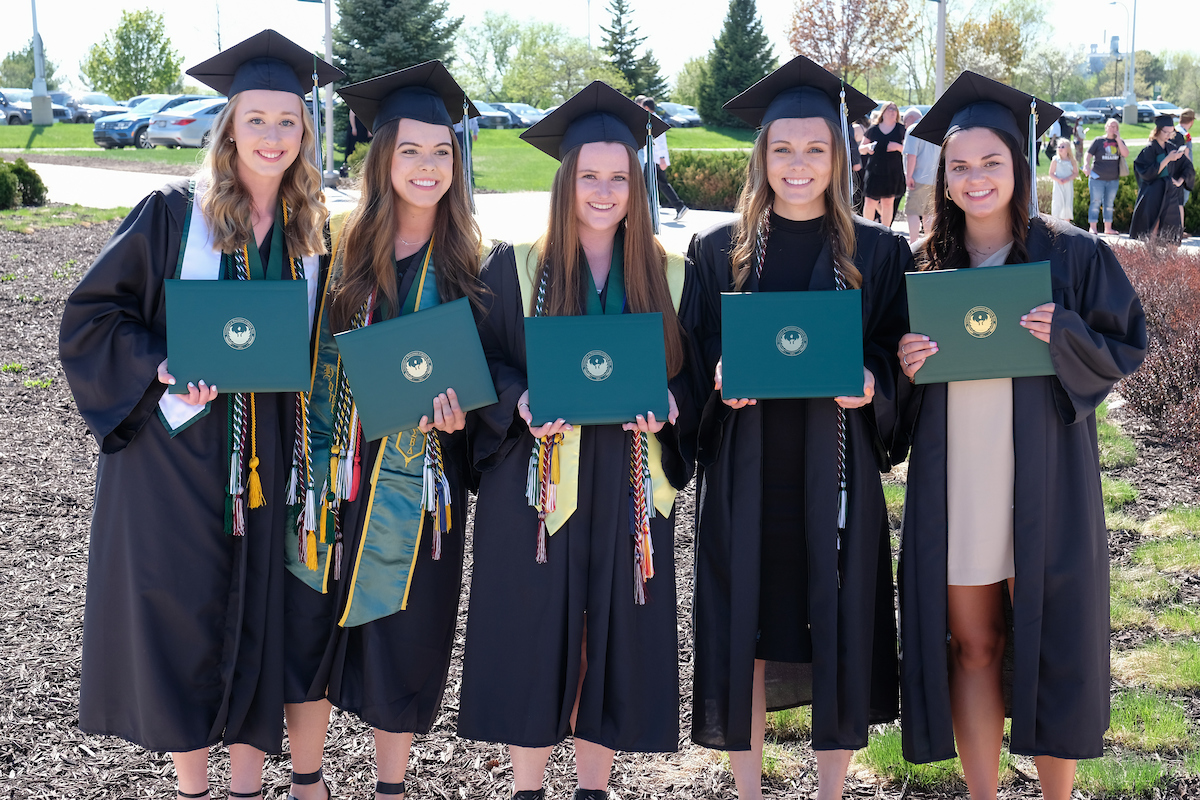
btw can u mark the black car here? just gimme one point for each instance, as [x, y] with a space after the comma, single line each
[86, 106]
[1112, 107]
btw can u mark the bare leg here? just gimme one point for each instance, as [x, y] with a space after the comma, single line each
[976, 699]
[887, 207]
[914, 225]
[529, 766]
[747, 764]
[245, 768]
[870, 206]
[831, 773]
[391, 758]
[1057, 776]
[306, 725]
[593, 764]
[191, 770]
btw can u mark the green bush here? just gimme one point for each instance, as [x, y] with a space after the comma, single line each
[33, 191]
[1122, 206]
[10, 187]
[709, 179]
[356, 160]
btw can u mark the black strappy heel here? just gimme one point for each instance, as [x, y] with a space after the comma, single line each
[309, 778]
[259, 793]
[389, 788]
[591, 794]
[530, 794]
[190, 796]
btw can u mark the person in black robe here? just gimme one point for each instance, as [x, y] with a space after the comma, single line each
[370, 628]
[1164, 173]
[953, 633]
[182, 639]
[784, 615]
[572, 624]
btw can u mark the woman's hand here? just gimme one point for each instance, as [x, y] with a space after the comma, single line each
[867, 396]
[914, 349]
[448, 416]
[1038, 321]
[731, 403]
[895, 147]
[648, 424]
[549, 429]
[197, 395]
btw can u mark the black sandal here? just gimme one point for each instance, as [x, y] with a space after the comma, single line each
[308, 779]
[530, 794]
[190, 796]
[389, 788]
[232, 793]
[591, 794]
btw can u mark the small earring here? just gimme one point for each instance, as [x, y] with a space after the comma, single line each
[231, 140]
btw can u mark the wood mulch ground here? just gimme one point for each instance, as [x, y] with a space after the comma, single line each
[47, 468]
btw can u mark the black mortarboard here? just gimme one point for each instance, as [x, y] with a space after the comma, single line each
[426, 93]
[598, 113]
[1164, 121]
[267, 60]
[800, 88]
[974, 101]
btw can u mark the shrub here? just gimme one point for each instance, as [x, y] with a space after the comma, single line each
[1167, 387]
[33, 191]
[709, 179]
[10, 187]
[356, 160]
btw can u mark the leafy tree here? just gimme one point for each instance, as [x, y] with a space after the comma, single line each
[688, 80]
[16, 70]
[1182, 79]
[850, 37]
[993, 47]
[373, 37]
[550, 65]
[741, 55]
[134, 58]
[1047, 68]
[1149, 73]
[485, 51]
[621, 42]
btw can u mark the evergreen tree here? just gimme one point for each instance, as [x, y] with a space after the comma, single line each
[650, 80]
[373, 37]
[621, 42]
[740, 57]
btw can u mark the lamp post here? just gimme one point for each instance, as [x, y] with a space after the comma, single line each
[43, 113]
[1130, 99]
[941, 50]
[331, 175]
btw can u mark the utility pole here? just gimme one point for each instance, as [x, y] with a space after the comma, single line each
[331, 175]
[941, 50]
[43, 113]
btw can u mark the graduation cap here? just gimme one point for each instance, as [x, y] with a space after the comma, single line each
[800, 88]
[426, 93]
[267, 60]
[976, 101]
[1164, 121]
[598, 113]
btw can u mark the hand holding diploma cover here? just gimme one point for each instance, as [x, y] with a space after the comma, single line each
[436, 349]
[975, 317]
[242, 336]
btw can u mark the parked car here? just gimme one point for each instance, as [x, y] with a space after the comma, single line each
[87, 106]
[491, 117]
[678, 115]
[520, 115]
[1088, 116]
[185, 125]
[17, 107]
[131, 127]
[133, 101]
[1111, 107]
[1160, 107]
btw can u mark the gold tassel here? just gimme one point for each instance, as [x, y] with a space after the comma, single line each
[324, 514]
[310, 559]
[257, 500]
[555, 457]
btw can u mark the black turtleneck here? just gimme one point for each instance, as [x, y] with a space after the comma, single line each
[792, 249]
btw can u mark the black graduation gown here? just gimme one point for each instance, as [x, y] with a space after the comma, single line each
[390, 672]
[1060, 633]
[526, 621]
[852, 680]
[1159, 199]
[183, 634]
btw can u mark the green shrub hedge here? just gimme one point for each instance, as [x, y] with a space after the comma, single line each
[708, 179]
[20, 185]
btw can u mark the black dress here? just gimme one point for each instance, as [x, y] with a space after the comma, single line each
[852, 678]
[884, 170]
[526, 622]
[183, 624]
[389, 672]
[1060, 630]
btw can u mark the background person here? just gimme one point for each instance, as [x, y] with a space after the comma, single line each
[920, 172]
[882, 145]
[1164, 172]
[662, 160]
[1103, 170]
[1063, 170]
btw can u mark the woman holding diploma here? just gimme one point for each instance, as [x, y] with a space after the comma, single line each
[572, 628]
[793, 605]
[372, 590]
[183, 627]
[1004, 505]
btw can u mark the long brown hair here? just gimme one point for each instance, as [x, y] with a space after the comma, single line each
[646, 288]
[945, 247]
[229, 208]
[757, 197]
[367, 245]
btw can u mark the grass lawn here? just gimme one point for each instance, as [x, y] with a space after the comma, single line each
[883, 756]
[1112, 777]
[1148, 721]
[505, 163]
[1175, 521]
[1177, 554]
[28, 137]
[703, 138]
[1116, 449]
[1167, 666]
[27, 220]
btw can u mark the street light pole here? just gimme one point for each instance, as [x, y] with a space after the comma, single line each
[1128, 82]
[329, 169]
[43, 113]
[941, 49]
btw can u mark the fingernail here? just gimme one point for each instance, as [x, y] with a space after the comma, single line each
[191, 385]
[926, 338]
[171, 382]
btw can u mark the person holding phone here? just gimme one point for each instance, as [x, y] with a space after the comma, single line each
[1164, 173]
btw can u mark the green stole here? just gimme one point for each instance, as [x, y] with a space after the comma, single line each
[391, 535]
[527, 257]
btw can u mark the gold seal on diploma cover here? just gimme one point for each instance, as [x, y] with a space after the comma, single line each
[791, 341]
[980, 322]
[239, 333]
[417, 366]
[597, 365]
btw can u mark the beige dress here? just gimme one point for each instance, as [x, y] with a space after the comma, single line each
[979, 476]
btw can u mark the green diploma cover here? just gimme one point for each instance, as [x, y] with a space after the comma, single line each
[395, 368]
[240, 336]
[791, 344]
[974, 315]
[600, 369]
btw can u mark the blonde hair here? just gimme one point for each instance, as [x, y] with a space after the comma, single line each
[227, 204]
[757, 197]
[1063, 141]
